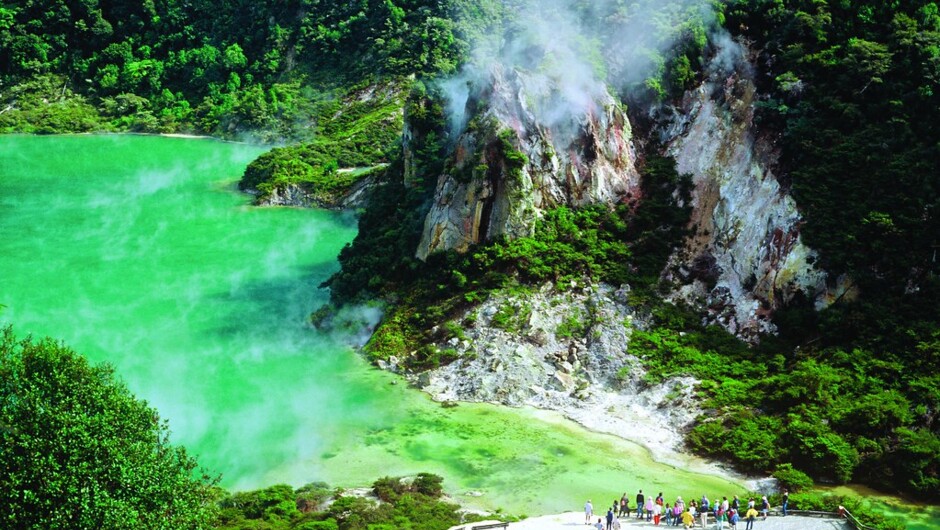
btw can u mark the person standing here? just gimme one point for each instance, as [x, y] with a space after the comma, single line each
[736, 503]
[624, 505]
[786, 500]
[720, 517]
[677, 510]
[610, 518]
[588, 512]
[649, 509]
[657, 513]
[764, 506]
[751, 516]
[639, 504]
[667, 514]
[724, 504]
[733, 518]
[703, 512]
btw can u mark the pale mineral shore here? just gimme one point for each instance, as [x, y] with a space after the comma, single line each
[590, 376]
[183, 135]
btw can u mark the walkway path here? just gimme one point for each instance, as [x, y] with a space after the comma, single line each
[575, 521]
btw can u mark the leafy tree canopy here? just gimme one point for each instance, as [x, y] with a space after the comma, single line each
[78, 450]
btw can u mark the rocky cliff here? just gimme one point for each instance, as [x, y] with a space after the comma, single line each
[520, 155]
[523, 152]
[745, 257]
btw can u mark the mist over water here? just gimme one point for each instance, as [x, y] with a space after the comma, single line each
[139, 252]
[142, 255]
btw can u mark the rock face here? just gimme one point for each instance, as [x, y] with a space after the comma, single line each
[296, 196]
[518, 157]
[745, 257]
[568, 352]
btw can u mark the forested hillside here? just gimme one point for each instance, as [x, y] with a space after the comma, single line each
[215, 67]
[851, 89]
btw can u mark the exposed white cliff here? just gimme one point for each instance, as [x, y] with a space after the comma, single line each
[571, 158]
[745, 257]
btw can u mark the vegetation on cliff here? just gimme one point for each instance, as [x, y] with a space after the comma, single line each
[854, 88]
[354, 135]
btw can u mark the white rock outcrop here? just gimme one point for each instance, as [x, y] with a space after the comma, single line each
[745, 257]
[576, 157]
[295, 195]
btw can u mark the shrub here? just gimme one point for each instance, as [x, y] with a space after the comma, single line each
[792, 479]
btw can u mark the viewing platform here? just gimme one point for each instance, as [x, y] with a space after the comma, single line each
[575, 520]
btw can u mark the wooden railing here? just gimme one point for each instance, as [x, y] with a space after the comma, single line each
[843, 513]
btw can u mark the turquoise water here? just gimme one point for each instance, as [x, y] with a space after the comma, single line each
[139, 251]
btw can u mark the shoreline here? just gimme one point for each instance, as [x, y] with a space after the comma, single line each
[185, 136]
[668, 456]
[572, 379]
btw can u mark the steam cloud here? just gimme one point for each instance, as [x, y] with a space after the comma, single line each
[573, 53]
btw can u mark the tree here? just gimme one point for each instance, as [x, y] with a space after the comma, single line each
[78, 450]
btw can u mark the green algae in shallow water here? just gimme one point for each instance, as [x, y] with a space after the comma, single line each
[914, 516]
[137, 251]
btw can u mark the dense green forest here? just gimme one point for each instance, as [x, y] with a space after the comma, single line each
[222, 68]
[851, 393]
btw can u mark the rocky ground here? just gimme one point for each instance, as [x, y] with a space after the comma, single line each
[568, 351]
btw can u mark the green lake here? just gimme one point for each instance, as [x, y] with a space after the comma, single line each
[139, 251]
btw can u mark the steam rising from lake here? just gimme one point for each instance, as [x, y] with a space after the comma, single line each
[200, 302]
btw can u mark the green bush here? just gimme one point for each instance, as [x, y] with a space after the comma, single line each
[329, 524]
[429, 484]
[573, 326]
[407, 505]
[792, 479]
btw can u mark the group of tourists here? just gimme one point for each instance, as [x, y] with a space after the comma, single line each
[679, 513]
